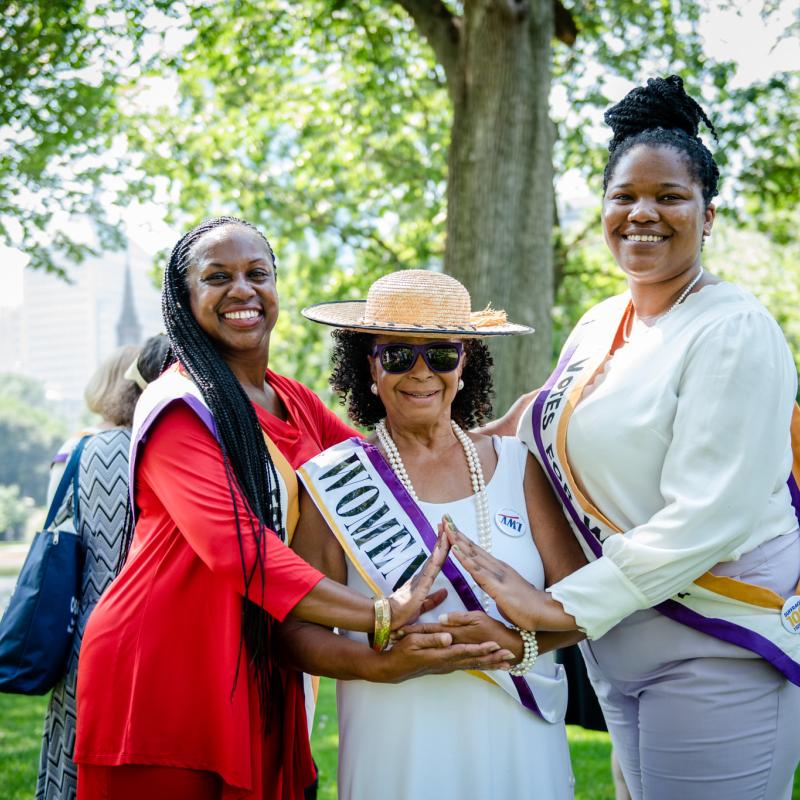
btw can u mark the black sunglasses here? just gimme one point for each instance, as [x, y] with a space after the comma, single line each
[399, 357]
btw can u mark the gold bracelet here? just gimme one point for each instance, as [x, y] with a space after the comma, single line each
[383, 624]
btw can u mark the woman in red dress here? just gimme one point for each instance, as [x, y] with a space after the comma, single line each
[180, 690]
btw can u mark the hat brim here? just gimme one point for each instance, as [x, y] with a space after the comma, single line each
[349, 315]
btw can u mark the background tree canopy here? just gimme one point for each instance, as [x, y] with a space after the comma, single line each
[365, 137]
[29, 438]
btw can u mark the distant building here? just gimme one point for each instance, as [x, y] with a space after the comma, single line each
[62, 331]
[129, 331]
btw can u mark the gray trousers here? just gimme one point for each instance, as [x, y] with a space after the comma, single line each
[692, 717]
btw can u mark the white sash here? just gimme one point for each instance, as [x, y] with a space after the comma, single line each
[734, 611]
[174, 385]
[387, 538]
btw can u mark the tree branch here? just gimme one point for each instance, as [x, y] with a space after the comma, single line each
[564, 24]
[440, 27]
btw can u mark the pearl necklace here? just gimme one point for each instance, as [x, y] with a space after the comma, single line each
[626, 337]
[475, 473]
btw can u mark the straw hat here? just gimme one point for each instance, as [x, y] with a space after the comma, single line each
[415, 302]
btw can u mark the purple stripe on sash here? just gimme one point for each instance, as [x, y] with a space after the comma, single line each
[194, 403]
[59, 458]
[526, 694]
[536, 421]
[734, 634]
[795, 494]
[449, 570]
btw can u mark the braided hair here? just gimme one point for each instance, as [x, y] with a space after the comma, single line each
[661, 114]
[248, 465]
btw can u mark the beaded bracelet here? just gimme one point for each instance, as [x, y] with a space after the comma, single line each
[529, 654]
[383, 624]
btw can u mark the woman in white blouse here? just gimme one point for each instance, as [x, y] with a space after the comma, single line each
[665, 431]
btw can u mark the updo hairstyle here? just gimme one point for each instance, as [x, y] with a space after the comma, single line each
[661, 114]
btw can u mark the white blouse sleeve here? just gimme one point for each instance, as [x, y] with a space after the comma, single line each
[728, 455]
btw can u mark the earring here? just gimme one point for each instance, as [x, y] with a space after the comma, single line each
[460, 384]
[374, 388]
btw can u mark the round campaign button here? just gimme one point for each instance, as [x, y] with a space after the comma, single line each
[790, 614]
[510, 522]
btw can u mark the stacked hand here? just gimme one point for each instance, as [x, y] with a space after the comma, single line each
[469, 628]
[517, 600]
[430, 649]
[418, 652]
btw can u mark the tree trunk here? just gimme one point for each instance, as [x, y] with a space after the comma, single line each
[500, 182]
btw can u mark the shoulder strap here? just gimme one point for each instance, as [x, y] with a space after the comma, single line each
[70, 474]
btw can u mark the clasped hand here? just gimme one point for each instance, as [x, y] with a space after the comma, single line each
[437, 648]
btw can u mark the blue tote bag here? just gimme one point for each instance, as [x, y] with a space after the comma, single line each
[38, 626]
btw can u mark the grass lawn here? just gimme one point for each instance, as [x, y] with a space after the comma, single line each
[21, 725]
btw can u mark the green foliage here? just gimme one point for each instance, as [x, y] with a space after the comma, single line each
[324, 124]
[29, 436]
[14, 511]
[325, 739]
[771, 272]
[589, 275]
[328, 124]
[61, 62]
[21, 721]
[759, 142]
[765, 117]
[26, 390]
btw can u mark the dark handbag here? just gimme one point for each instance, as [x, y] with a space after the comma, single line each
[37, 627]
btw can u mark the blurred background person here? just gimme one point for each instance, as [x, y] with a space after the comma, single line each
[111, 393]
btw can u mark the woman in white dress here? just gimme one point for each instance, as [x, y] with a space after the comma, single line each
[410, 363]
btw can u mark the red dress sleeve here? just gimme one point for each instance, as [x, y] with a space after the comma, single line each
[182, 466]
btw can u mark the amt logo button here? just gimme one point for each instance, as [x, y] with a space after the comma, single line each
[510, 522]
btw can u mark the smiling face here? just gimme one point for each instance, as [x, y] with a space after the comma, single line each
[232, 293]
[654, 215]
[419, 396]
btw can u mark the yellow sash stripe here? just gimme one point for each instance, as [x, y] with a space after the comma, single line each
[740, 590]
[340, 537]
[482, 675]
[795, 429]
[286, 472]
[309, 484]
[348, 548]
[561, 440]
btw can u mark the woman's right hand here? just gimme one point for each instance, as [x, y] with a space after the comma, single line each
[413, 598]
[418, 654]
